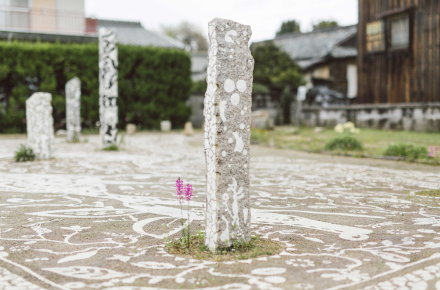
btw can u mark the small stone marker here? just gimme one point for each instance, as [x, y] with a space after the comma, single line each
[131, 129]
[73, 110]
[189, 130]
[108, 85]
[228, 103]
[262, 120]
[165, 126]
[39, 122]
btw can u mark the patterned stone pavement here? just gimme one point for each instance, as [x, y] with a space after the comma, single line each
[91, 219]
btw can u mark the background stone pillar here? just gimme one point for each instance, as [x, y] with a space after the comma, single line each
[73, 110]
[228, 103]
[108, 85]
[39, 122]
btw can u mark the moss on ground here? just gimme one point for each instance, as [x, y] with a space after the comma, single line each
[435, 193]
[256, 247]
[111, 148]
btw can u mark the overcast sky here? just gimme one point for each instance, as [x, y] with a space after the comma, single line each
[264, 16]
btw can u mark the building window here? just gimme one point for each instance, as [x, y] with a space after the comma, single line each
[375, 36]
[20, 3]
[399, 31]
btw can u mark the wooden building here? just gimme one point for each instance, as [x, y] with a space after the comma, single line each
[399, 51]
[328, 59]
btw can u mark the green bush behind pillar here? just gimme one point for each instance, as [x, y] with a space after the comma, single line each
[154, 83]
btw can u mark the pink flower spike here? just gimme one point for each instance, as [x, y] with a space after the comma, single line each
[188, 192]
[179, 189]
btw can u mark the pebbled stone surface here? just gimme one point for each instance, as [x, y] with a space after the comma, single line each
[90, 219]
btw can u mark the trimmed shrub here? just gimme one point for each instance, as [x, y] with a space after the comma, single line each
[154, 83]
[24, 154]
[199, 87]
[345, 143]
[407, 151]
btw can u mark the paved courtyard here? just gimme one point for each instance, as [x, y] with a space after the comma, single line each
[91, 219]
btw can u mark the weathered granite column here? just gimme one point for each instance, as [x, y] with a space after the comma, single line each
[108, 85]
[39, 122]
[228, 103]
[73, 109]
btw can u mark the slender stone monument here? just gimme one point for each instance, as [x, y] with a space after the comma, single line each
[130, 129]
[165, 126]
[108, 85]
[39, 123]
[188, 129]
[228, 103]
[73, 110]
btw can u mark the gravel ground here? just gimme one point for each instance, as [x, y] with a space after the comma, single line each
[90, 219]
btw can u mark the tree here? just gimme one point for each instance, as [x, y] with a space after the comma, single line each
[325, 24]
[190, 34]
[289, 26]
[274, 67]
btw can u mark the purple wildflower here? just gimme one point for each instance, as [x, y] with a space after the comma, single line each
[433, 151]
[179, 189]
[188, 192]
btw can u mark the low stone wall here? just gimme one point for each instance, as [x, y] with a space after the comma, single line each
[409, 117]
[260, 102]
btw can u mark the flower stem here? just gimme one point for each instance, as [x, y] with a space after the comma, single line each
[189, 229]
[181, 220]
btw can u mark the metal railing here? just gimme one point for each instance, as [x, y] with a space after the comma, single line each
[46, 21]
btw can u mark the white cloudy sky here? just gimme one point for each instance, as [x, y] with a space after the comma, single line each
[265, 16]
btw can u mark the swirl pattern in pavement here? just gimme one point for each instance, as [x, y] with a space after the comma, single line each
[91, 219]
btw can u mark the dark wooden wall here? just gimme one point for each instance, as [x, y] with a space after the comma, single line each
[406, 76]
[338, 73]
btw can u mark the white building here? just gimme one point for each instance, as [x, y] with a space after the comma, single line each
[51, 16]
[65, 21]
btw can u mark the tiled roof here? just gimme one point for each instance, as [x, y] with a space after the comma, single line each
[133, 33]
[314, 44]
[342, 52]
[336, 52]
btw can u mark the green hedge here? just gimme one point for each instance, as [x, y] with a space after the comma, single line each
[406, 150]
[154, 83]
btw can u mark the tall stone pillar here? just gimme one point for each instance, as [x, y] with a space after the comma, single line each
[227, 112]
[108, 85]
[73, 109]
[39, 122]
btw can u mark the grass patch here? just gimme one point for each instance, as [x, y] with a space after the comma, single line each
[89, 131]
[256, 247]
[259, 136]
[407, 151]
[374, 141]
[434, 193]
[345, 143]
[24, 154]
[112, 147]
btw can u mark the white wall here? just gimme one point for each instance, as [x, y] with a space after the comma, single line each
[352, 81]
[4, 15]
[322, 72]
[76, 6]
[20, 3]
[71, 16]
